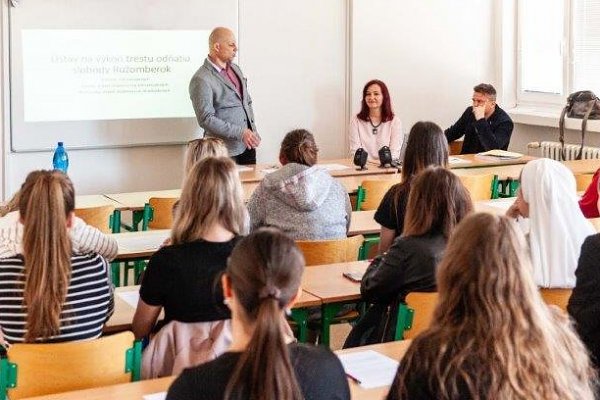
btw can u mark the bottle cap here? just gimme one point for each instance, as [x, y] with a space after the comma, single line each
[60, 143]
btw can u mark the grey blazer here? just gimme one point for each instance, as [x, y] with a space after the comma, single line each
[220, 110]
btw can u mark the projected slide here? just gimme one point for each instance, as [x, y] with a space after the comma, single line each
[71, 75]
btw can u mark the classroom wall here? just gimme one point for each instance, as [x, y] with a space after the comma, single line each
[439, 56]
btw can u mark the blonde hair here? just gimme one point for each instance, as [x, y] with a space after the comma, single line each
[11, 205]
[47, 198]
[491, 334]
[212, 193]
[199, 149]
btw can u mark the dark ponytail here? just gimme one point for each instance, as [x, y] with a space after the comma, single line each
[265, 270]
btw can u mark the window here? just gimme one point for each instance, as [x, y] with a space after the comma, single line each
[559, 55]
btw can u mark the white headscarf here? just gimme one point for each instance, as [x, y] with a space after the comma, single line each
[557, 227]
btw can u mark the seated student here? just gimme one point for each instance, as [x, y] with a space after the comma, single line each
[201, 148]
[584, 304]
[180, 278]
[47, 292]
[376, 125]
[437, 202]
[84, 238]
[300, 198]
[485, 125]
[491, 335]
[557, 229]
[589, 201]
[426, 146]
[261, 282]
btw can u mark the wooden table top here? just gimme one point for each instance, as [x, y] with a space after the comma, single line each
[94, 200]
[124, 311]
[327, 282]
[136, 390]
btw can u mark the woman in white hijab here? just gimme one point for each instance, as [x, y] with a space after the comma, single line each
[557, 228]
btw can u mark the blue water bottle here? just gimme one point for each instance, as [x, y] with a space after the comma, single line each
[60, 161]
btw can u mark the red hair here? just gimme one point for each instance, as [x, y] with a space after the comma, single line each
[386, 106]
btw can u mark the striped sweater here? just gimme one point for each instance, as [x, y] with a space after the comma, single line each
[89, 301]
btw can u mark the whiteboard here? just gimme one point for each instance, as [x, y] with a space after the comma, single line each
[145, 52]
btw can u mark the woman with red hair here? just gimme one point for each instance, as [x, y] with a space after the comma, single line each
[376, 125]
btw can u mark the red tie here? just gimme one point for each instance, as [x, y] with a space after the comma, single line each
[228, 73]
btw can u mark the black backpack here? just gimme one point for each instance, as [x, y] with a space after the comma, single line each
[582, 105]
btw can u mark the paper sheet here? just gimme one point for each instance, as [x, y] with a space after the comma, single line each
[130, 297]
[141, 242]
[370, 368]
[269, 170]
[457, 160]
[502, 204]
[243, 168]
[155, 396]
[501, 154]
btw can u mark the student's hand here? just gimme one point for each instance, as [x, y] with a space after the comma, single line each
[250, 139]
[514, 211]
[479, 111]
[167, 242]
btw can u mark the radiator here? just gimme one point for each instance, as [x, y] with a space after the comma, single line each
[552, 150]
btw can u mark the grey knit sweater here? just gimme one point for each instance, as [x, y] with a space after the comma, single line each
[305, 202]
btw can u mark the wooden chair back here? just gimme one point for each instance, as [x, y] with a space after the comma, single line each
[455, 147]
[557, 296]
[414, 316]
[583, 181]
[318, 252]
[59, 367]
[479, 186]
[423, 305]
[373, 191]
[98, 217]
[162, 212]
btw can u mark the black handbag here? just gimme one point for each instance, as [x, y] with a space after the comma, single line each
[582, 105]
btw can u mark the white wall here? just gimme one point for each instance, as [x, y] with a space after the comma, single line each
[429, 52]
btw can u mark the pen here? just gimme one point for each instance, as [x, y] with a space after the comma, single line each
[353, 379]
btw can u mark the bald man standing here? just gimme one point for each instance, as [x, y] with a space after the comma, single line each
[220, 97]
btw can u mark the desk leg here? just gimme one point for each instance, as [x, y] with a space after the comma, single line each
[300, 317]
[328, 312]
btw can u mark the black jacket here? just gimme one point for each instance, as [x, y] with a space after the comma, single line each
[409, 266]
[584, 304]
[482, 135]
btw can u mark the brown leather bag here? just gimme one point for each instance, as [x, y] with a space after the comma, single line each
[582, 105]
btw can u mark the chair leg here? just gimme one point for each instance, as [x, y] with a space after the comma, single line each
[115, 268]
[300, 316]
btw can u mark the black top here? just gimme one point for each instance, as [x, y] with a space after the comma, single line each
[482, 135]
[408, 266]
[584, 304]
[318, 371]
[391, 211]
[184, 280]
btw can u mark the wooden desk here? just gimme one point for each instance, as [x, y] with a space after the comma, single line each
[136, 200]
[582, 166]
[363, 223]
[123, 313]
[94, 200]
[327, 283]
[394, 350]
[142, 244]
[123, 391]
[135, 390]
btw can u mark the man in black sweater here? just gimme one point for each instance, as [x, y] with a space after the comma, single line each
[485, 125]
